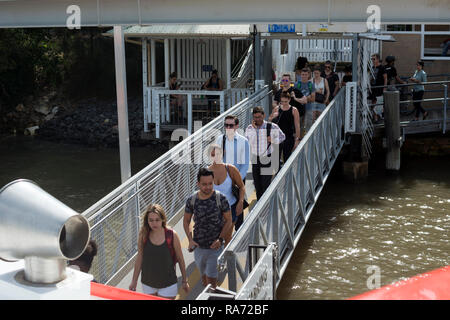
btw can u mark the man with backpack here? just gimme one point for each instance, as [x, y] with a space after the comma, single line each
[261, 136]
[212, 220]
[307, 88]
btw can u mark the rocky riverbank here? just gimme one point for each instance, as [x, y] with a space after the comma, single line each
[94, 123]
[90, 122]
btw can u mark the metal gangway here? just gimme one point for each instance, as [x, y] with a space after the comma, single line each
[278, 218]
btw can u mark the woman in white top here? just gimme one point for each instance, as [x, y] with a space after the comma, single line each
[225, 176]
[322, 93]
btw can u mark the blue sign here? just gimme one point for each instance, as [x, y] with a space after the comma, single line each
[207, 68]
[281, 28]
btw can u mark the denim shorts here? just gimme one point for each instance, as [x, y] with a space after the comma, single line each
[318, 107]
[206, 261]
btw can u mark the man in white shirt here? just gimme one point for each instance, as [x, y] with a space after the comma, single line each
[262, 135]
[236, 151]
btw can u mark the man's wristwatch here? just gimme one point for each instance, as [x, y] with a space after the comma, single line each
[221, 240]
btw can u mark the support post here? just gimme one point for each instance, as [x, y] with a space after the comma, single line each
[144, 83]
[228, 58]
[392, 129]
[189, 97]
[257, 55]
[122, 104]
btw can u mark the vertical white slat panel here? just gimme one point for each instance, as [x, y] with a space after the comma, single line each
[188, 59]
[218, 60]
[172, 55]
[323, 47]
[191, 52]
[183, 57]
[188, 65]
[205, 48]
[211, 54]
[207, 54]
[215, 64]
[195, 59]
[222, 61]
[166, 62]
[200, 53]
[178, 58]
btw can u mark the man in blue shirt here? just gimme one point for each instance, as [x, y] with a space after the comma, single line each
[236, 151]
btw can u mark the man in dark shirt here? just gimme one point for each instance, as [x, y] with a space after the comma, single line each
[333, 80]
[391, 71]
[297, 98]
[348, 77]
[380, 79]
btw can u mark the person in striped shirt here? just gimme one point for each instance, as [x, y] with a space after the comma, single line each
[264, 139]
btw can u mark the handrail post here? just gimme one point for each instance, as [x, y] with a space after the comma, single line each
[157, 114]
[231, 270]
[222, 102]
[444, 125]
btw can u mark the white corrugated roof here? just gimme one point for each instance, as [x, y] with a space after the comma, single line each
[187, 30]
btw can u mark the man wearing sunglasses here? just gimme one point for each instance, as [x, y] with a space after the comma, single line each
[380, 79]
[332, 79]
[236, 151]
[297, 98]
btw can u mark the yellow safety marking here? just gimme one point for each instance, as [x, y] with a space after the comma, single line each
[193, 279]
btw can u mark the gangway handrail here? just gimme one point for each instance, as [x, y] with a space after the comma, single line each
[115, 218]
[281, 213]
[154, 165]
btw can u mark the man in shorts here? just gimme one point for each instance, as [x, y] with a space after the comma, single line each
[212, 220]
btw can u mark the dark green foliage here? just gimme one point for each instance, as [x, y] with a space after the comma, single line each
[77, 64]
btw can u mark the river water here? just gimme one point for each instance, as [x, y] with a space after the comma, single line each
[77, 175]
[398, 223]
[396, 226]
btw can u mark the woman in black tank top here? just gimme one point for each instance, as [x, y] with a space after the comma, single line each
[288, 119]
[159, 250]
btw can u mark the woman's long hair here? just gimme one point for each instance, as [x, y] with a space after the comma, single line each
[145, 228]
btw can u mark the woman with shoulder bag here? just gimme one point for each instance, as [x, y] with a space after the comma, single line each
[159, 250]
[225, 177]
[322, 93]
